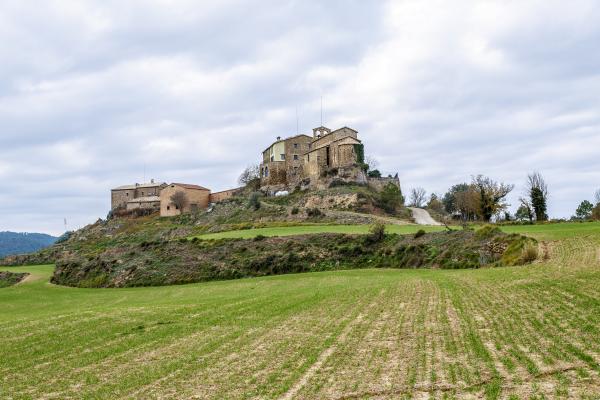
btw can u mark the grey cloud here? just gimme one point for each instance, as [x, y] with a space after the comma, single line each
[96, 92]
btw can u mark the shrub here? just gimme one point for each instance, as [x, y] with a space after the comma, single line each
[374, 174]
[419, 233]
[377, 231]
[259, 238]
[530, 253]
[295, 210]
[390, 198]
[254, 201]
[314, 213]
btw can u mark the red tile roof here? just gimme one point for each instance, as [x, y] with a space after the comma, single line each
[188, 186]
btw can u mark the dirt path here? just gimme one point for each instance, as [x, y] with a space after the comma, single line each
[422, 217]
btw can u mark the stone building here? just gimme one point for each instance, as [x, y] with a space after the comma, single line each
[197, 198]
[287, 162]
[128, 196]
[283, 161]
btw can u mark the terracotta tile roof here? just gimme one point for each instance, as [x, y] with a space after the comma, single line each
[189, 186]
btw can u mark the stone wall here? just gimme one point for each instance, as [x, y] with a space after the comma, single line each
[223, 195]
[379, 183]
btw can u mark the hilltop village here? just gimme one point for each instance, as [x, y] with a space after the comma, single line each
[300, 162]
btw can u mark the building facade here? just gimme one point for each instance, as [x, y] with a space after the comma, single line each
[289, 161]
[196, 198]
[122, 195]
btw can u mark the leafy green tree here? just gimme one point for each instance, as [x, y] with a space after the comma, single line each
[449, 198]
[538, 194]
[491, 196]
[391, 198]
[584, 211]
[374, 173]
[435, 204]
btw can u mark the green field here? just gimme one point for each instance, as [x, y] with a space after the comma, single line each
[519, 332]
[542, 232]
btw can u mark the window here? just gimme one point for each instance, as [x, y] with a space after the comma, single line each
[142, 194]
[295, 156]
[283, 156]
[308, 157]
[127, 194]
[168, 208]
[295, 145]
[272, 158]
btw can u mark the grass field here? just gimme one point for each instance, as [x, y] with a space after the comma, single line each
[542, 232]
[520, 332]
[311, 229]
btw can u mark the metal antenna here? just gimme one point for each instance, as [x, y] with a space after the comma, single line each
[321, 110]
[297, 122]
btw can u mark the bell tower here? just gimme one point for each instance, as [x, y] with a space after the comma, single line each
[320, 132]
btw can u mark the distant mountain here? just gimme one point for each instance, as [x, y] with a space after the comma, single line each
[21, 243]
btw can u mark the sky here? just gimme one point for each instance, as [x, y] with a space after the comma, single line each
[96, 94]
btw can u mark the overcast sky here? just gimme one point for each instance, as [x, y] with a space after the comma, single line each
[92, 94]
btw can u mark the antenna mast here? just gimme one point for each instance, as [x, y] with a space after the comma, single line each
[321, 110]
[297, 122]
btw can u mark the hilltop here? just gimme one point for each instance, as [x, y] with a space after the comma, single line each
[153, 250]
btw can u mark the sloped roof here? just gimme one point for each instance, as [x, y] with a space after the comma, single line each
[148, 199]
[190, 186]
[140, 185]
[349, 138]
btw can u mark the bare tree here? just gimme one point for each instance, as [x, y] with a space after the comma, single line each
[179, 200]
[417, 197]
[371, 162]
[525, 210]
[250, 175]
[491, 196]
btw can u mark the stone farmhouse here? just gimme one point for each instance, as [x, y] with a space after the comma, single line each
[305, 161]
[157, 196]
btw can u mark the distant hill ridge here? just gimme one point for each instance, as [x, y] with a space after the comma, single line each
[23, 242]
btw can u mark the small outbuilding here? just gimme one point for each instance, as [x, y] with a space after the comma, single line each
[180, 198]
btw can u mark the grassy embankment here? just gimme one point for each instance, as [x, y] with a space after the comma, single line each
[517, 332]
[542, 232]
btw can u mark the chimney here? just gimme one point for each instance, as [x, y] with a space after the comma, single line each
[137, 184]
[278, 138]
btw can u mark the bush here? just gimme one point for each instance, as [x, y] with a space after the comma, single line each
[259, 238]
[374, 174]
[295, 210]
[377, 231]
[254, 201]
[314, 213]
[530, 253]
[390, 198]
[419, 233]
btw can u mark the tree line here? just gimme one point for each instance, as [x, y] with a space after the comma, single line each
[484, 199]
